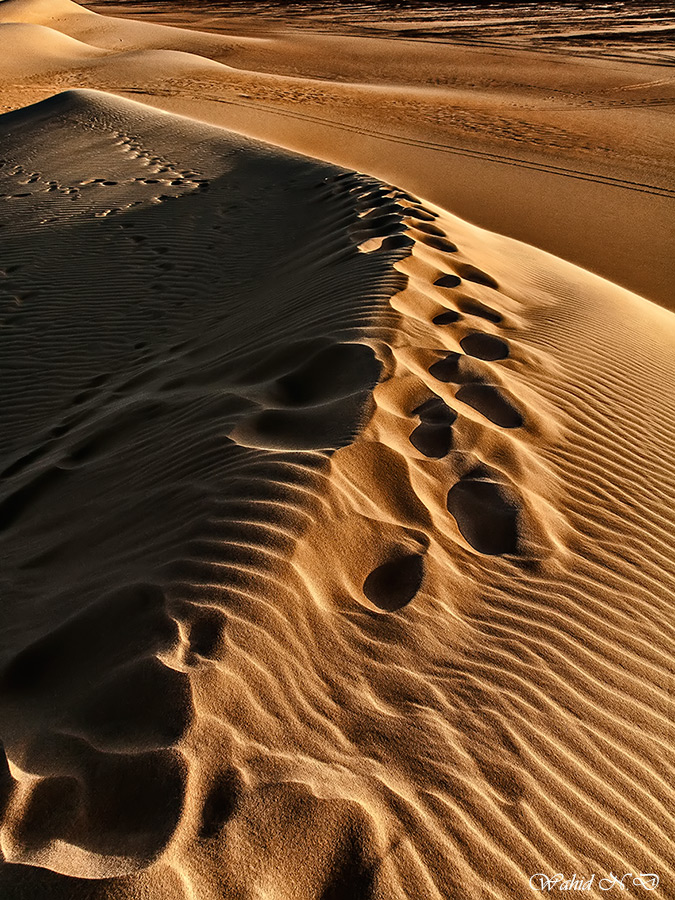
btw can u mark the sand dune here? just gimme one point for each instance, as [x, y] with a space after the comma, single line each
[113, 33]
[30, 50]
[337, 531]
[580, 149]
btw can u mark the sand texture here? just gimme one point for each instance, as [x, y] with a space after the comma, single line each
[337, 533]
[513, 128]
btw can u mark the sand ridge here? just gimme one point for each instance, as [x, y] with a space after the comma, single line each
[337, 532]
[506, 121]
[333, 609]
[153, 367]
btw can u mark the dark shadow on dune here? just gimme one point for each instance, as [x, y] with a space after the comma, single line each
[393, 585]
[126, 494]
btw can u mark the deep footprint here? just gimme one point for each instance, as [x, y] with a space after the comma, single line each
[397, 242]
[489, 401]
[458, 368]
[440, 243]
[418, 214]
[142, 705]
[471, 273]
[447, 318]
[332, 372]
[435, 411]
[484, 346]
[487, 515]
[394, 584]
[474, 307]
[431, 229]
[432, 439]
[448, 281]
[220, 803]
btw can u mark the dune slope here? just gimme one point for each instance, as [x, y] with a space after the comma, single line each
[339, 532]
[526, 136]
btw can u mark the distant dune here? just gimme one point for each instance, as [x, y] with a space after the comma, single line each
[511, 125]
[337, 532]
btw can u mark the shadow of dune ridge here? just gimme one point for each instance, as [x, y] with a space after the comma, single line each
[191, 343]
[338, 532]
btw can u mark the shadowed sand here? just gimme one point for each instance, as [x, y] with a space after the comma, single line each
[517, 131]
[288, 604]
[337, 532]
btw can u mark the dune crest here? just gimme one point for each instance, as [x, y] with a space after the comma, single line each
[312, 594]
[452, 118]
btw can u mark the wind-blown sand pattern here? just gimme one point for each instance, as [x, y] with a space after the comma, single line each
[510, 126]
[337, 531]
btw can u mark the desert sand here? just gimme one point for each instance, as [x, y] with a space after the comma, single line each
[511, 126]
[337, 530]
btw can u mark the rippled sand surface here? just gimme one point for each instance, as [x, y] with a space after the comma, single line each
[337, 531]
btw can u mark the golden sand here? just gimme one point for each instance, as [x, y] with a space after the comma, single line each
[337, 532]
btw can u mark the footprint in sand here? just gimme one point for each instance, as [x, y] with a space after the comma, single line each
[487, 511]
[377, 225]
[397, 242]
[393, 585]
[421, 214]
[206, 630]
[489, 401]
[411, 198]
[440, 243]
[433, 436]
[430, 229]
[471, 273]
[484, 346]
[447, 318]
[448, 281]
[375, 199]
[314, 405]
[447, 369]
[220, 803]
[473, 307]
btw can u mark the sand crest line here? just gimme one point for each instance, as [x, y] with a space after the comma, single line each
[338, 531]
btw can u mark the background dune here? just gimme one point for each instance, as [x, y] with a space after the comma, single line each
[31, 50]
[338, 531]
[570, 151]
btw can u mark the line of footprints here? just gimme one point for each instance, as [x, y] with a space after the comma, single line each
[484, 502]
[486, 507]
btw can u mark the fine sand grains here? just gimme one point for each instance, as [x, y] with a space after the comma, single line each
[525, 132]
[338, 533]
